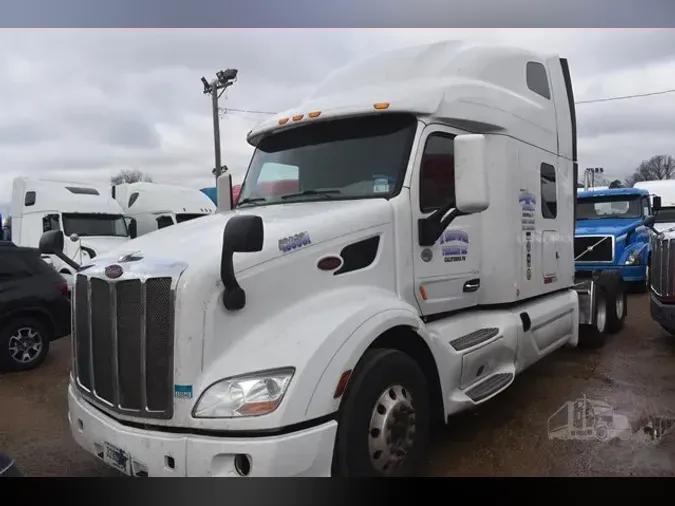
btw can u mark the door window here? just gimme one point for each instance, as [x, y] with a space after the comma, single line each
[437, 172]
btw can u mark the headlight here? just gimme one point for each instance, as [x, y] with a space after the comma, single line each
[247, 395]
[634, 257]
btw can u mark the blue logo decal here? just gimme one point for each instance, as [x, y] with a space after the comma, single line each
[294, 242]
[528, 205]
[455, 245]
[182, 391]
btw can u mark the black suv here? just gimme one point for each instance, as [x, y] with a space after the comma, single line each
[34, 307]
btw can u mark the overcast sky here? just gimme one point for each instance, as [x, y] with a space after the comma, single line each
[81, 105]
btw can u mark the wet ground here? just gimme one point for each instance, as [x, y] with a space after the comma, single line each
[509, 436]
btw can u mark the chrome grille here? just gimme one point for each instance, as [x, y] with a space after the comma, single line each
[662, 267]
[602, 251]
[123, 344]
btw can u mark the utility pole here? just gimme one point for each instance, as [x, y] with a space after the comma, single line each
[224, 79]
[589, 176]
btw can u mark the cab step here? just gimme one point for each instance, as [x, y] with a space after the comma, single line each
[474, 338]
[490, 386]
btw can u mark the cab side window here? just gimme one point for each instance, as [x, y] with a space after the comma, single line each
[549, 192]
[164, 221]
[437, 172]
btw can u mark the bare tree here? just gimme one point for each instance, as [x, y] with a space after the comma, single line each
[656, 168]
[130, 176]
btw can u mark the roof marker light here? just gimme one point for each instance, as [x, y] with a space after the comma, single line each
[380, 106]
[298, 117]
[314, 114]
[283, 121]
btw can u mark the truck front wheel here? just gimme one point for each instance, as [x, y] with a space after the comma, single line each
[383, 424]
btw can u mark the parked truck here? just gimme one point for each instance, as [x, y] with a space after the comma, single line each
[424, 259]
[154, 206]
[610, 234]
[662, 195]
[94, 223]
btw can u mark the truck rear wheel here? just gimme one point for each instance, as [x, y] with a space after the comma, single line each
[613, 287]
[595, 334]
[384, 419]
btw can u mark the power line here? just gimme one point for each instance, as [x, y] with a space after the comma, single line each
[592, 101]
[228, 109]
[625, 97]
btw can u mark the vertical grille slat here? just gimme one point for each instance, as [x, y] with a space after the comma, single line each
[101, 340]
[129, 325]
[82, 336]
[663, 267]
[123, 343]
[158, 342]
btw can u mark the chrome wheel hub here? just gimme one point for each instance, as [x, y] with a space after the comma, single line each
[601, 315]
[25, 345]
[392, 429]
[619, 307]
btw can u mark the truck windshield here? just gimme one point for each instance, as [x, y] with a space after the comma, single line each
[180, 218]
[86, 225]
[608, 207]
[665, 215]
[363, 157]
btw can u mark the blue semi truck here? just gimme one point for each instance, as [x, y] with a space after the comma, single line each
[610, 234]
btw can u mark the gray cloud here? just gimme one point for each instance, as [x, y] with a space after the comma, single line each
[81, 105]
[306, 13]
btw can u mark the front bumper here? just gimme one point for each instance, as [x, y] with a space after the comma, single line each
[629, 273]
[155, 453]
[663, 314]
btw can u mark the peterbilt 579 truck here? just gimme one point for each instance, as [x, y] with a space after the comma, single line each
[610, 233]
[423, 259]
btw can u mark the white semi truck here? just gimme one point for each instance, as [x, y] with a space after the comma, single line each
[92, 222]
[420, 257]
[154, 206]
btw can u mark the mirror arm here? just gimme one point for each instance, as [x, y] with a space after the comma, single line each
[455, 213]
[431, 227]
[68, 260]
[234, 297]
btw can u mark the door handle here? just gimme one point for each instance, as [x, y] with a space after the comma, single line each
[472, 285]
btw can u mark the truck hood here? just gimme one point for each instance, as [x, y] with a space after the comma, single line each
[101, 245]
[199, 241]
[607, 226]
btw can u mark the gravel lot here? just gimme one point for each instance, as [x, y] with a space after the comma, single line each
[634, 373]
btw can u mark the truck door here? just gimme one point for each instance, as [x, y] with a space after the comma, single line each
[447, 273]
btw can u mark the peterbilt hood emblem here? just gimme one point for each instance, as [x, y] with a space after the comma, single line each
[131, 257]
[114, 271]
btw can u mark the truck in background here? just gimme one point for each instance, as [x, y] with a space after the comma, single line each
[610, 234]
[662, 194]
[93, 222]
[212, 193]
[4, 229]
[423, 259]
[154, 206]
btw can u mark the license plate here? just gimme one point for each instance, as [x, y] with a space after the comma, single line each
[117, 458]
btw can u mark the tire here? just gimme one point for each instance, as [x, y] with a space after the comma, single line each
[594, 336]
[614, 290]
[19, 332]
[601, 433]
[383, 381]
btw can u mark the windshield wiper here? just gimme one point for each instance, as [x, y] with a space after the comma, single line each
[327, 193]
[251, 200]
